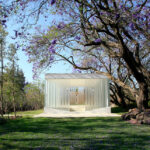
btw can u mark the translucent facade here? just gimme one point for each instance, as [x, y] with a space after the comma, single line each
[73, 91]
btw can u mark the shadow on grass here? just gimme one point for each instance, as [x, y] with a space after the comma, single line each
[118, 110]
[73, 133]
[121, 110]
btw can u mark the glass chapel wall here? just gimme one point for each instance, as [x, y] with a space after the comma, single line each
[59, 93]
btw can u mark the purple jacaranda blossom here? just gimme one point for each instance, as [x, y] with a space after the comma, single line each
[3, 22]
[51, 49]
[117, 16]
[54, 41]
[5, 16]
[60, 12]
[18, 45]
[121, 6]
[88, 63]
[135, 16]
[61, 25]
[101, 13]
[51, 58]
[53, 2]
[19, 33]
[21, 3]
[131, 25]
[97, 40]
[76, 70]
[138, 5]
[77, 38]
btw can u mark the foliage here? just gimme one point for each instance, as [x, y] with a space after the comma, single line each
[13, 80]
[73, 133]
[34, 95]
[107, 37]
[17, 82]
[2, 58]
[28, 96]
[110, 37]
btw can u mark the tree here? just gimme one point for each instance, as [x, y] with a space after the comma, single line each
[2, 57]
[120, 31]
[21, 96]
[15, 86]
[34, 96]
[117, 28]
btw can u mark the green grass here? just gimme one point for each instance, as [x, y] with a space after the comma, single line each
[31, 113]
[73, 134]
[28, 113]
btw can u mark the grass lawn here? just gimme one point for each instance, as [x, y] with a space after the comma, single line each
[31, 113]
[28, 113]
[73, 134]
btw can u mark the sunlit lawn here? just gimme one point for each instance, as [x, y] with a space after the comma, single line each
[28, 113]
[31, 113]
[73, 134]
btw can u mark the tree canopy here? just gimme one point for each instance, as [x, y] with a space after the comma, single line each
[110, 37]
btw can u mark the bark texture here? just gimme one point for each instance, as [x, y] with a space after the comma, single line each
[136, 116]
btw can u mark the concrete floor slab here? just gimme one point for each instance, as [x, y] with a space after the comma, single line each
[77, 114]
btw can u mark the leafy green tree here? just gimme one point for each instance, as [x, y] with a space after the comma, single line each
[3, 34]
[14, 89]
[34, 94]
[13, 80]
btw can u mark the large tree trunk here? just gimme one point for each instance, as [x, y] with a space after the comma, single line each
[142, 99]
[136, 68]
[143, 79]
[141, 114]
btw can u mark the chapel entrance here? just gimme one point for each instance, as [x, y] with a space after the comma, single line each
[77, 99]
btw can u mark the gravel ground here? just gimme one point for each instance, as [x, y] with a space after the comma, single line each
[61, 114]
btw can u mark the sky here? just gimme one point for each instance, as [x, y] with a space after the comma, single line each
[27, 67]
[24, 64]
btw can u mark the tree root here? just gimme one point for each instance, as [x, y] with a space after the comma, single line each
[136, 116]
